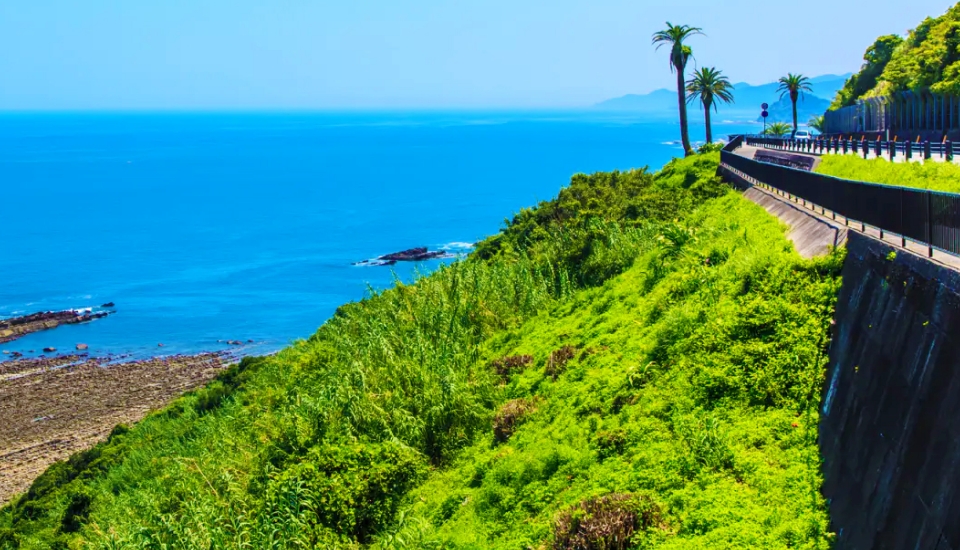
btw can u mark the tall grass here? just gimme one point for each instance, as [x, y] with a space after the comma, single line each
[936, 176]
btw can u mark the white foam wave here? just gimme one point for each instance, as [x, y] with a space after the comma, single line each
[456, 245]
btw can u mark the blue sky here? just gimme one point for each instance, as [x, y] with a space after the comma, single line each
[321, 54]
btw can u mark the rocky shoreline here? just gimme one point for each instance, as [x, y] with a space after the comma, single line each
[16, 327]
[55, 406]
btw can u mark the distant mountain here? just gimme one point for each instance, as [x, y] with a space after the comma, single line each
[748, 99]
[782, 110]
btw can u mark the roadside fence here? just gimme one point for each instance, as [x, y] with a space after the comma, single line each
[878, 148]
[928, 217]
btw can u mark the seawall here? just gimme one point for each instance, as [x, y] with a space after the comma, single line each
[890, 410]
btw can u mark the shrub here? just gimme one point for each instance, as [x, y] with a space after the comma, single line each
[610, 442]
[510, 416]
[557, 362]
[353, 490]
[608, 522]
[505, 366]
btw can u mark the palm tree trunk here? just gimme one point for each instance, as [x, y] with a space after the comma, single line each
[682, 99]
[706, 119]
[794, 101]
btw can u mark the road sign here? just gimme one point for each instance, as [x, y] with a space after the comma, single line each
[764, 114]
[764, 106]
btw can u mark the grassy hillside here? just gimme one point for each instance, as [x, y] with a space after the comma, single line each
[938, 176]
[928, 59]
[635, 364]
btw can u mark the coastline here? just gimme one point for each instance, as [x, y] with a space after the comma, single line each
[56, 406]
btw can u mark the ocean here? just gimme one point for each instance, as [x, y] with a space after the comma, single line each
[207, 227]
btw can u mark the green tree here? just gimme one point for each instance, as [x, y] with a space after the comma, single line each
[875, 60]
[673, 36]
[816, 122]
[794, 85]
[709, 86]
[778, 129]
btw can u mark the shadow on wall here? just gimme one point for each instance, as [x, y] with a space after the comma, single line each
[890, 425]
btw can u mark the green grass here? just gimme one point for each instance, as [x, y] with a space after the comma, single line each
[674, 345]
[937, 176]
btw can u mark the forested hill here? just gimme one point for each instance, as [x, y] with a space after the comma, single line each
[929, 59]
[634, 364]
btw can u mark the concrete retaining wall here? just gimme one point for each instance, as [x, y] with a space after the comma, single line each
[890, 425]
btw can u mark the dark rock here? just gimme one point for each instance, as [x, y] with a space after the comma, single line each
[418, 254]
[49, 350]
[108, 304]
[160, 345]
[11, 329]
[250, 341]
[413, 255]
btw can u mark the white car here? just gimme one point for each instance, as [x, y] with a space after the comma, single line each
[803, 135]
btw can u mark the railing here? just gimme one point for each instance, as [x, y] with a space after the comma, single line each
[836, 145]
[928, 217]
[735, 143]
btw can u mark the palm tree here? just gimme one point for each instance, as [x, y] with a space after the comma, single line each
[816, 122]
[778, 129]
[674, 35]
[709, 86]
[795, 85]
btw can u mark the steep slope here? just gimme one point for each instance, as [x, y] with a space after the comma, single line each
[639, 359]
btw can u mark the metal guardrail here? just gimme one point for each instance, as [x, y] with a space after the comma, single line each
[889, 149]
[928, 217]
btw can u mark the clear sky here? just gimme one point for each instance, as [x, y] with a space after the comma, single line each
[317, 54]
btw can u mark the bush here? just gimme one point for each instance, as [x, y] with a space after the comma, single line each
[604, 523]
[557, 362]
[505, 366]
[353, 490]
[510, 416]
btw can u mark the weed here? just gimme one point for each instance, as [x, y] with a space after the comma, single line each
[608, 522]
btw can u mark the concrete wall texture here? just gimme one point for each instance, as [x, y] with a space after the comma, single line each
[890, 424]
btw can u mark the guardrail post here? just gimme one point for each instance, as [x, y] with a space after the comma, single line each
[892, 149]
[926, 150]
[845, 146]
[903, 238]
[929, 224]
[948, 151]
[908, 149]
[878, 148]
[866, 148]
[854, 144]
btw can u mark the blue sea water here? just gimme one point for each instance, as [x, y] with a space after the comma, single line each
[204, 227]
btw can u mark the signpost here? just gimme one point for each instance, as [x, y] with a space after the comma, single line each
[764, 114]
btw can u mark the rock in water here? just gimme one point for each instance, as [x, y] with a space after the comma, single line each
[417, 254]
[108, 304]
[49, 350]
[81, 347]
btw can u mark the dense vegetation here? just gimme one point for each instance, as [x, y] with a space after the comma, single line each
[929, 59]
[635, 364]
[938, 176]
